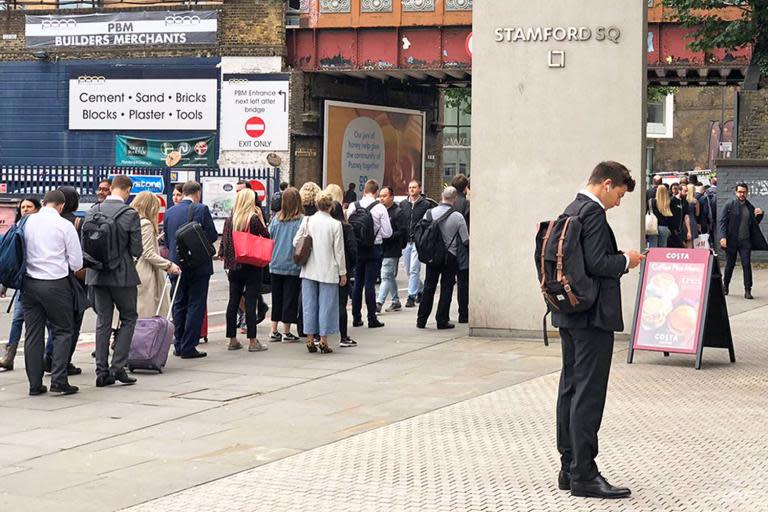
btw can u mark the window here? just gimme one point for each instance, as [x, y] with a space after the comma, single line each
[660, 118]
[457, 141]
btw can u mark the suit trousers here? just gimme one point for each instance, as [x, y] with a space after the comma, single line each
[367, 270]
[462, 294]
[188, 310]
[343, 320]
[744, 250]
[581, 398]
[446, 276]
[106, 299]
[47, 302]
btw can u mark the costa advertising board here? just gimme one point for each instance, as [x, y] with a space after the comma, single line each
[146, 28]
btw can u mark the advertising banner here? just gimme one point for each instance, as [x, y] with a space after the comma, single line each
[365, 142]
[148, 28]
[98, 103]
[254, 112]
[145, 183]
[671, 306]
[134, 151]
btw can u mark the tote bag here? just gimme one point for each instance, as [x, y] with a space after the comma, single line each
[651, 222]
[252, 249]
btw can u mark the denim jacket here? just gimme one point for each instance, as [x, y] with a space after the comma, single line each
[282, 254]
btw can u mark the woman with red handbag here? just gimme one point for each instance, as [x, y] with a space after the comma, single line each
[244, 278]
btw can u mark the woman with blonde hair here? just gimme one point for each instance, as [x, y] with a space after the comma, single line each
[308, 192]
[661, 208]
[322, 274]
[243, 279]
[691, 212]
[284, 271]
[336, 193]
[150, 265]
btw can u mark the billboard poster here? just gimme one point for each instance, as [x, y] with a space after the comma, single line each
[671, 307]
[135, 151]
[365, 142]
[254, 112]
[136, 28]
[103, 103]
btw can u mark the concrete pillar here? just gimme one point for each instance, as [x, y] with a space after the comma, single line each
[557, 87]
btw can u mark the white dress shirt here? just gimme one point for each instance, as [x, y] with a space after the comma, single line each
[52, 245]
[595, 199]
[381, 225]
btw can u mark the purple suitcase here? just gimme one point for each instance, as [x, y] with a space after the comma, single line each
[152, 340]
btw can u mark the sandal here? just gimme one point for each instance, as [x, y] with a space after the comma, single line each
[324, 348]
[311, 347]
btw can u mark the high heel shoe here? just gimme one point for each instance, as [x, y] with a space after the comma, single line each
[324, 348]
[311, 346]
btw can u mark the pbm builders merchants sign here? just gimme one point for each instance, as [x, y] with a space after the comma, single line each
[98, 103]
[254, 112]
[150, 28]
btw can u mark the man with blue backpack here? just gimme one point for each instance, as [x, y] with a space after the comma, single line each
[370, 221]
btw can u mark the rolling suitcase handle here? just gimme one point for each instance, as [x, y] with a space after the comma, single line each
[173, 299]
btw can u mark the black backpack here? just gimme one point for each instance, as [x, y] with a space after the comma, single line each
[429, 239]
[362, 222]
[563, 278]
[192, 246]
[101, 239]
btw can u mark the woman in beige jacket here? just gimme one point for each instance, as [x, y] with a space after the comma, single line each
[150, 265]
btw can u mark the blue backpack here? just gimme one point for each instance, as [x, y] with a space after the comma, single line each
[13, 258]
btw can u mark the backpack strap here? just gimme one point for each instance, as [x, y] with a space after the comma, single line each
[561, 278]
[544, 328]
[190, 212]
[370, 206]
[544, 252]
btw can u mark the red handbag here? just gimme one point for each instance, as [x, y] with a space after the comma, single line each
[252, 249]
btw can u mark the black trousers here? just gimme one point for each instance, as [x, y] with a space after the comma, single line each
[368, 268]
[581, 398]
[285, 298]
[744, 250]
[245, 281]
[343, 300]
[462, 293]
[47, 302]
[446, 276]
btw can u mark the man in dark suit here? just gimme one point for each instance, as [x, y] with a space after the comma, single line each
[587, 338]
[740, 233]
[192, 296]
[116, 288]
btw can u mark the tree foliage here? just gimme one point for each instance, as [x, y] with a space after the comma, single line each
[710, 30]
[460, 97]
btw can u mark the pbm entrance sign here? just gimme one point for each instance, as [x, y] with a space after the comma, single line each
[681, 307]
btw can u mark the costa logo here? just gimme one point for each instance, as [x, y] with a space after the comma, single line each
[182, 20]
[678, 256]
[59, 24]
[91, 79]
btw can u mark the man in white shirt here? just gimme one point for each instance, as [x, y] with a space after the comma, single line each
[368, 257]
[52, 251]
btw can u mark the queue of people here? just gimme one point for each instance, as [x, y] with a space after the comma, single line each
[117, 260]
[683, 211]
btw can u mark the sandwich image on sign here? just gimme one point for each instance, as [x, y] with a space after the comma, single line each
[654, 314]
[682, 321]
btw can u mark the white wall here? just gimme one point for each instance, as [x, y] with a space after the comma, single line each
[537, 133]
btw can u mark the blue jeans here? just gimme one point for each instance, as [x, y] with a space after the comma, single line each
[17, 323]
[320, 303]
[367, 269]
[388, 282]
[413, 267]
[188, 310]
[664, 233]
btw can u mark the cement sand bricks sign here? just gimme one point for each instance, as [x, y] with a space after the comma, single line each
[557, 87]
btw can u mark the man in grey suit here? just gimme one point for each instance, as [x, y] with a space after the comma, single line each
[116, 286]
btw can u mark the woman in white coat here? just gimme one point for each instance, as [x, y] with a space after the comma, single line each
[322, 274]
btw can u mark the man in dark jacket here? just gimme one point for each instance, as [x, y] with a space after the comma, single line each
[461, 205]
[740, 233]
[116, 288]
[277, 198]
[414, 207]
[587, 338]
[192, 297]
[393, 249]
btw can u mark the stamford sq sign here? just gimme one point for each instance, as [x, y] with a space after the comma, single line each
[559, 34]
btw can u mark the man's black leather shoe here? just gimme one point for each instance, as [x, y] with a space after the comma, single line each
[463, 320]
[104, 380]
[357, 323]
[748, 294]
[598, 487]
[374, 324]
[38, 391]
[64, 389]
[449, 325]
[194, 355]
[73, 370]
[124, 378]
[564, 481]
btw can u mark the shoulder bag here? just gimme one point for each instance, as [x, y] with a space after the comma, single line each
[252, 249]
[651, 222]
[304, 246]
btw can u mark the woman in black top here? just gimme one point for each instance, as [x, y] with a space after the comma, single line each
[661, 208]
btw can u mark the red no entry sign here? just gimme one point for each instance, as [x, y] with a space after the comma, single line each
[255, 127]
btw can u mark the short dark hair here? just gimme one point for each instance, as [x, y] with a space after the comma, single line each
[179, 187]
[244, 182]
[71, 199]
[460, 183]
[742, 184]
[371, 186]
[54, 197]
[283, 185]
[387, 187]
[122, 182]
[414, 180]
[613, 171]
[352, 186]
[105, 180]
[191, 188]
